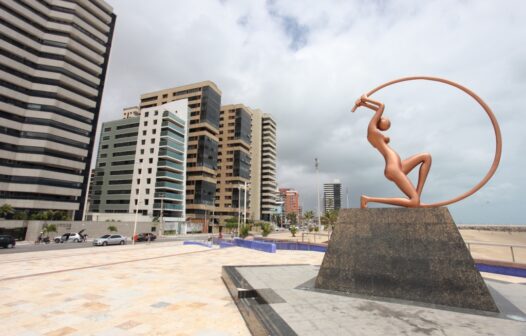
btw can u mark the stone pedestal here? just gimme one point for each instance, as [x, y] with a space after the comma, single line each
[409, 254]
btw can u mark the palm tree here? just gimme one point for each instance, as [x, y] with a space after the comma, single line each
[291, 216]
[308, 216]
[329, 219]
[6, 210]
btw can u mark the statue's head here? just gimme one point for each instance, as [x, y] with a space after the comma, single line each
[384, 124]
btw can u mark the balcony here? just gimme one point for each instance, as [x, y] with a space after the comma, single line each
[171, 154]
[169, 185]
[171, 143]
[171, 175]
[168, 206]
[170, 164]
[169, 196]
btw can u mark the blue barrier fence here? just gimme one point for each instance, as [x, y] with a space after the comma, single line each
[255, 245]
[189, 242]
[518, 272]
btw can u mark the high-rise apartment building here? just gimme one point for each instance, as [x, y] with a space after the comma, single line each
[268, 167]
[234, 162]
[54, 56]
[291, 200]
[204, 99]
[141, 164]
[332, 196]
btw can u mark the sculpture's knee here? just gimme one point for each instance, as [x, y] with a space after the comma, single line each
[414, 202]
[426, 158]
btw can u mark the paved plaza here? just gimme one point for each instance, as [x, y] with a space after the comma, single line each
[158, 289]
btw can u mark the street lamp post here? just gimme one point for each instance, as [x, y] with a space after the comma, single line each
[245, 205]
[239, 209]
[137, 205]
[161, 226]
[318, 189]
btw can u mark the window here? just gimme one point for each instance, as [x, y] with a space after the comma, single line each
[146, 114]
[106, 138]
[156, 113]
[143, 132]
[152, 141]
[142, 151]
[147, 191]
[143, 142]
[150, 160]
[149, 170]
[104, 146]
[103, 155]
[146, 201]
[145, 123]
[154, 131]
[152, 150]
[148, 181]
[107, 129]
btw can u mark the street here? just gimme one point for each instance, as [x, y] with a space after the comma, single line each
[31, 247]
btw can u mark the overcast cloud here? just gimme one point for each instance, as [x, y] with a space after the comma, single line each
[306, 62]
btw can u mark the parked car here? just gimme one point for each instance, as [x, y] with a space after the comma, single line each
[147, 236]
[114, 239]
[7, 241]
[69, 237]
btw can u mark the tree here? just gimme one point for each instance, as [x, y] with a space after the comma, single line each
[6, 210]
[112, 228]
[266, 229]
[293, 229]
[231, 223]
[49, 228]
[20, 215]
[243, 231]
[292, 217]
[308, 216]
[329, 219]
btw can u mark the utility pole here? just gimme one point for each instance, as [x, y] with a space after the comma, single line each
[318, 189]
[162, 214]
[239, 209]
[137, 205]
[245, 205]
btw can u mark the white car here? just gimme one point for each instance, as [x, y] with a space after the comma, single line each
[68, 238]
[114, 239]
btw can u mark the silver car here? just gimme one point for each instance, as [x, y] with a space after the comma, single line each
[115, 239]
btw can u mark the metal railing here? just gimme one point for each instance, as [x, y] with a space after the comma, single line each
[511, 247]
[314, 234]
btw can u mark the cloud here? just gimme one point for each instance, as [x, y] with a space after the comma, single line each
[307, 62]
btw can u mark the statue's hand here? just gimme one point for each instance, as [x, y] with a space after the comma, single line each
[359, 102]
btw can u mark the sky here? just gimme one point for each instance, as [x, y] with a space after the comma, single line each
[306, 63]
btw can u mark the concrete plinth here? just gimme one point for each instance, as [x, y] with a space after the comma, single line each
[409, 254]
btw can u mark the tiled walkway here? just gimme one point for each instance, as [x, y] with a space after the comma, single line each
[158, 289]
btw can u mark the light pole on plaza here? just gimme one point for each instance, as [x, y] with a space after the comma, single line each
[318, 190]
[137, 205]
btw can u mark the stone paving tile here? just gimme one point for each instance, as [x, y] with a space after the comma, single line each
[102, 299]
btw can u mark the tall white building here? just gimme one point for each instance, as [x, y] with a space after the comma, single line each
[141, 166]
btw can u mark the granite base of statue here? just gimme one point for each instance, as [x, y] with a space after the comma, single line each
[408, 254]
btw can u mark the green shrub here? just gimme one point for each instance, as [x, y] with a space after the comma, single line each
[293, 229]
[243, 231]
[266, 229]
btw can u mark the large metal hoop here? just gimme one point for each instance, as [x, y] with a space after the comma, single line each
[496, 128]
